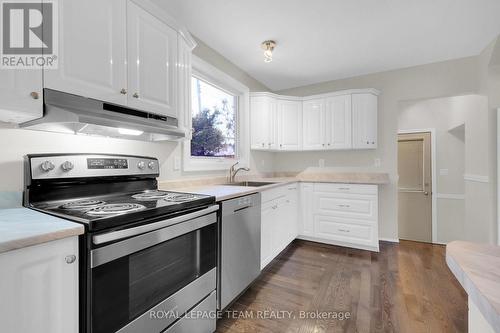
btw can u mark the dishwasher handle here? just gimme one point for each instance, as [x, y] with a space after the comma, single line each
[234, 206]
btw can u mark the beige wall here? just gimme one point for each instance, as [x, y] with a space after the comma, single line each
[449, 78]
[15, 143]
[459, 153]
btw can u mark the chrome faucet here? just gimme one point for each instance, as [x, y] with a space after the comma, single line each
[233, 171]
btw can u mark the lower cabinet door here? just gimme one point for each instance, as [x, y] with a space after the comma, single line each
[268, 218]
[349, 231]
[39, 288]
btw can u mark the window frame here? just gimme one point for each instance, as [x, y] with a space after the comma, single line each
[214, 76]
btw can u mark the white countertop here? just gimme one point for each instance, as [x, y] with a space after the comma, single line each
[477, 268]
[22, 227]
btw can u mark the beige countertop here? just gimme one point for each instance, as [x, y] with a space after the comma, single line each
[477, 268]
[216, 187]
[22, 227]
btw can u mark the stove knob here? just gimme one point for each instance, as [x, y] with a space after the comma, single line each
[151, 165]
[141, 165]
[47, 166]
[67, 166]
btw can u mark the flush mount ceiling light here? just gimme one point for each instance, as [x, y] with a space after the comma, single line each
[268, 47]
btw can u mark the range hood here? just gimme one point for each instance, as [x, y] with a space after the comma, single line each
[67, 113]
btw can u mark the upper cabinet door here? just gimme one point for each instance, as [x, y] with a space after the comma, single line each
[259, 122]
[184, 88]
[21, 97]
[338, 122]
[92, 50]
[290, 125]
[314, 124]
[152, 54]
[364, 121]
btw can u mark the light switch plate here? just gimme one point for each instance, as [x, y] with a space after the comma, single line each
[377, 162]
[443, 172]
[321, 163]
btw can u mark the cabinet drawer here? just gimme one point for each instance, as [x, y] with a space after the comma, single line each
[345, 188]
[345, 230]
[353, 206]
[277, 192]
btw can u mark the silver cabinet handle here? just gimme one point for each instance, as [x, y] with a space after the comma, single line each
[70, 259]
[263, 144]
[35, 95]
[344, 206]
[123, 91]
[344, 230]
[135, 95]
[344, 188]
[426, 193]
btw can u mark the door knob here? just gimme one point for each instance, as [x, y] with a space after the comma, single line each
[35, 95]
[426, 193]
[123, 91]
[135, 95]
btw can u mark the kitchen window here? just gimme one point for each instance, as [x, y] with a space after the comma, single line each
[214, 115]
[218, 119]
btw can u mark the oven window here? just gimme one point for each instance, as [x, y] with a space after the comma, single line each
[126, 288]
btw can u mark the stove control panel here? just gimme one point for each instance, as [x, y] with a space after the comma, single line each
[95, 165]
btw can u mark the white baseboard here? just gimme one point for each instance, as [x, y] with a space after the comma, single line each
[392, 240]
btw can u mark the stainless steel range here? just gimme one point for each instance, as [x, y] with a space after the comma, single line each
[147, 257]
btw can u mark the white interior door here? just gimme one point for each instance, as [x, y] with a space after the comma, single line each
[92, 50]
[338, 122]
[152, 54]
[313, 125]
[290, 125]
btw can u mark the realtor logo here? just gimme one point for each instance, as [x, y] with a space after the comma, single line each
[29, 35]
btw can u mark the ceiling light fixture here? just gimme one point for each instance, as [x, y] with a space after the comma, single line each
[268, 47]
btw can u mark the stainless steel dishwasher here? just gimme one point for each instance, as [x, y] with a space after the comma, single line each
[239, 247]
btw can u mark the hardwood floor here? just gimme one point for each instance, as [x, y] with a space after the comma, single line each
[407, 287]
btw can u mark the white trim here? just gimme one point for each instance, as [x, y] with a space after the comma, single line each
[392, 240]
[215, 76]
[433, 174]
[450, 196]
[476, 178]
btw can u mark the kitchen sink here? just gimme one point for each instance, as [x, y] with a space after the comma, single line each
[252, 184]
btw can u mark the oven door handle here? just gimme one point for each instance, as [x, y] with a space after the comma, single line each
[163, 231]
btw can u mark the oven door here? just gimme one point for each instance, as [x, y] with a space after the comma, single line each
[169, 270]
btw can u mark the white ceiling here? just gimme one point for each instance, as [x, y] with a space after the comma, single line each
[321, 40]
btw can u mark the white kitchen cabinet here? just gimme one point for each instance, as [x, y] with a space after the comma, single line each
[152, 54]
[279, 221]
[338, 122]
[340, 214]
[40, 288]
[261, 122]
[268, 217]
[21, 97]
[289, 125]
[306, 225]
[291, 209]
[334, 121]
[364, 120]
[313, 122]
[92, 59]
[184, 49]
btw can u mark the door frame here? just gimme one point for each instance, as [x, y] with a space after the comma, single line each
[433, 176]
